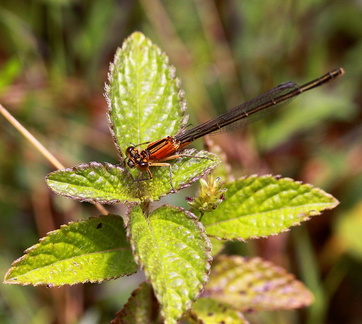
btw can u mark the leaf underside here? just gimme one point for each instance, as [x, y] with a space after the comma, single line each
[141, 307]
[255, 285]
[207, 310]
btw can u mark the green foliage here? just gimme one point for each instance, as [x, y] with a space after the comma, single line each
[170, 244]
[109, 184]
[143, 91]
[262, 206]
[88, 251]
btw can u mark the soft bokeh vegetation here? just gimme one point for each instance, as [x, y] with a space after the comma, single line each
[54, 59]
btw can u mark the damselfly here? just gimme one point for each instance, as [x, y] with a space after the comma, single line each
[165, 149]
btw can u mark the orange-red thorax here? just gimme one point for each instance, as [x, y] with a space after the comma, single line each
[163, 148]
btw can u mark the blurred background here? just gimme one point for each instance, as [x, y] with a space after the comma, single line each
[54, 59]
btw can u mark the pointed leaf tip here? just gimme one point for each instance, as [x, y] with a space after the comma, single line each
[93, 182]
[144, 96]
[266, 205]
[93, 250]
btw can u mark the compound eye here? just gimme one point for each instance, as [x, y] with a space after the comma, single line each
[143, 165]
[131, 150]
[131, 164]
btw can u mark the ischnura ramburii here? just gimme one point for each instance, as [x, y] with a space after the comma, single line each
[165, 149]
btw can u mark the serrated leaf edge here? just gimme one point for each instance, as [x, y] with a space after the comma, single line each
[297, 222]
[172, 69]
[107, 166]
[123, 312]
[207, 252]
[33, 247]
[206, 171]
[240, 260]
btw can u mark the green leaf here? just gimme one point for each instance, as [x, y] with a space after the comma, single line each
[93, 182]
[110, 184]
[142, 307]
[171, 246]
[209, 311]
[185, 171]
[261, 206]
[145, 104]
[255, 285]
[87, 251]
[144, 96]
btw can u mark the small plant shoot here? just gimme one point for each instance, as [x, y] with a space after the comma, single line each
[186, 278]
